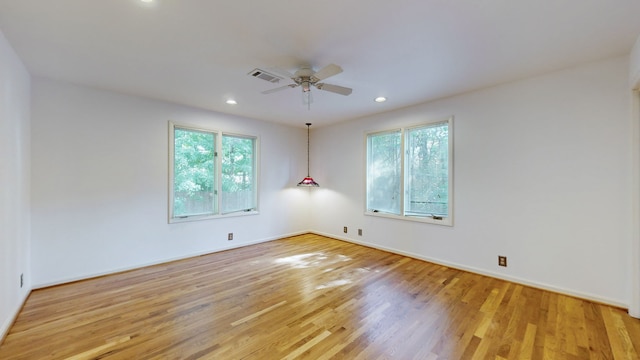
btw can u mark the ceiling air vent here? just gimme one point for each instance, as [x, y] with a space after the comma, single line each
[261, 74]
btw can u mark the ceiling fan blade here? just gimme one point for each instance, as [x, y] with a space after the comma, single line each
[334, 89]
[327, 71]
[279, 88]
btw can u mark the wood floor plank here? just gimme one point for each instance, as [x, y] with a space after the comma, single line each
[312, 297]
[258, 313]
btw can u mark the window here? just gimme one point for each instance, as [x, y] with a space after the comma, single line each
[409, 173]
[384, 168]
[204, 185]
[238, 173]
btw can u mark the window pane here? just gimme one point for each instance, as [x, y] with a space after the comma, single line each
[238, 174]
[384, 161]
[427, 182]
[194, 169]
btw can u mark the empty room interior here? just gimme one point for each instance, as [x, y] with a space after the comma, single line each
[340, 179]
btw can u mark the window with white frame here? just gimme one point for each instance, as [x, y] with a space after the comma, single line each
[212, 173]
[409, 173]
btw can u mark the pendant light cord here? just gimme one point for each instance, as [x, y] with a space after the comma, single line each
[308, 142]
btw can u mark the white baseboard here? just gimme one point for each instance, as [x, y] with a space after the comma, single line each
[521, 281]
[163, 261]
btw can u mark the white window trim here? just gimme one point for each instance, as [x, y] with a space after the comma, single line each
[447, 221]
[218, 136]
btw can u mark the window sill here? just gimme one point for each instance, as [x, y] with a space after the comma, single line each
[212, 217]
[446, 221]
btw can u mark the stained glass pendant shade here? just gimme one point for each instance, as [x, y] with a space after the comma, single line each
[308, 181]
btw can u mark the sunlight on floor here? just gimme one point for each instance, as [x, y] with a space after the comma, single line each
[333, 283]
[302, 261]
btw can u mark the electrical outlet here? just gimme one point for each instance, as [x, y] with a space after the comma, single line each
[230, 236]
[502, 261]
[345, 230]
[21, 280]
[360, 232]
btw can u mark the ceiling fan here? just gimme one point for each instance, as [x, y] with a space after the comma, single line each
[306, 78]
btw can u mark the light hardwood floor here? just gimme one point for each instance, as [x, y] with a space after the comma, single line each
[311, 297]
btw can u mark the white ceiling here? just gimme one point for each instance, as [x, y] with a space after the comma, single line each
[198, 52]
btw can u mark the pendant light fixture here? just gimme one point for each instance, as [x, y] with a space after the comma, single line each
[308, 181]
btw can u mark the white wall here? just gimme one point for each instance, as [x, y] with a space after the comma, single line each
[541, 175]
[634, 82]
[14, 184]
[100, 179]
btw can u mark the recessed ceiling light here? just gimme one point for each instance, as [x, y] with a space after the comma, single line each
[232, 102]
[380, 99]
[146, 1]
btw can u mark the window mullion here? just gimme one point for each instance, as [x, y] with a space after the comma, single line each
[403, 174]
[218, 172]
